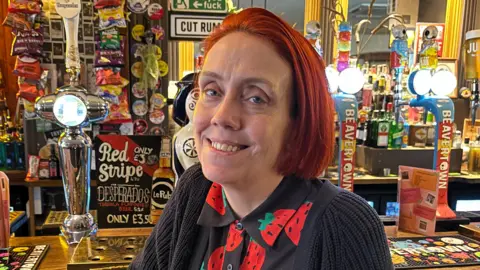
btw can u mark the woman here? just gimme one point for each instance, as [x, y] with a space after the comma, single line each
[263, 132]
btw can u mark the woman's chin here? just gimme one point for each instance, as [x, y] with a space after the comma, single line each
[220, 175]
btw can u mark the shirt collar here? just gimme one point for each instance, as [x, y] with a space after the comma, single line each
[266, 222]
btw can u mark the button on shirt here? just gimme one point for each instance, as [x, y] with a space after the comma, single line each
[264, 239]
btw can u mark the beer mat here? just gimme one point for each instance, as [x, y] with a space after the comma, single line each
[105, 252]
[16, 216]
[23, 257]
[56, 218]
[428, 252]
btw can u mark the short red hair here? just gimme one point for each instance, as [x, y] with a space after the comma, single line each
[309, 147]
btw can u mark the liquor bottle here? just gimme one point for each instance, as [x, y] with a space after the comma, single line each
[395, 134]
[383, 128]
[163, 182]
[372, 129]
[361, 129]
[418, 132]
[53, 163]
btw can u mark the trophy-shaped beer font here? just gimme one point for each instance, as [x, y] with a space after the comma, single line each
[73, 107]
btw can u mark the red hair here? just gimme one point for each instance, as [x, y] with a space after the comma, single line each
[309, 145]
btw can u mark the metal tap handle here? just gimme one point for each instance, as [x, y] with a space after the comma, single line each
[70, 10]
[475, 101]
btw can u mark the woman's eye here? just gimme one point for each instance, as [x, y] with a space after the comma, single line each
[211, 93]
[256, 100]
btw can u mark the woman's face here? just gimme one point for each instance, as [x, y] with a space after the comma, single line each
[243, 114]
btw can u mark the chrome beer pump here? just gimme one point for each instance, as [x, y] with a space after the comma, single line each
[433, 79]
[73, 107]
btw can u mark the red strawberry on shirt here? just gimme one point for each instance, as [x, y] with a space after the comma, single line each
[295, 225]
[254, 258]
[271, 227]
[215, 198]
[234, 238]
[215, 262]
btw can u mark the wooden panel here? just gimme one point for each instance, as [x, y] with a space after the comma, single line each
[7, 62]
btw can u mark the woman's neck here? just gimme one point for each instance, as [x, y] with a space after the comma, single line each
[246, 196]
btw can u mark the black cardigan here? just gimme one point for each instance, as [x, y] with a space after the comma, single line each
[341, 232]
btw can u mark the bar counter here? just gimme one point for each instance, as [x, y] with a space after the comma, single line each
[59, 253]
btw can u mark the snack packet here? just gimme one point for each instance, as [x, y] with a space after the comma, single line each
[119, 108]
[17, 21]
[112, 17]
[25, 6]
[27, 67]
[99, 4]
[110, 39]
[110, 76]
[27, 42]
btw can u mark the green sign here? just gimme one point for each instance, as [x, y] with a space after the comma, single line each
[211, 6]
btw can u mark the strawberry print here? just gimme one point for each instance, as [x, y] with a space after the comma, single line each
[234, 237]
[254, 258]
[216, 199]
[215, 262]
[295, 225]
[272, 225]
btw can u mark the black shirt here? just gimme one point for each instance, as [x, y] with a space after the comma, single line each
[341, 231]
[264, 239]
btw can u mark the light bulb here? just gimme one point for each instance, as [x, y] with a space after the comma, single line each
[351, 80]
[420, 82]
[443, 82]
[332, 79]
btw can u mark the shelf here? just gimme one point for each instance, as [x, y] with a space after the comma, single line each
[45, 183]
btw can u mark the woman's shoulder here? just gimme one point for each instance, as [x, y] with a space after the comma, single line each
[345, 206]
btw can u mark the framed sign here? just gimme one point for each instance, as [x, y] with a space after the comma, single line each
[125, 168]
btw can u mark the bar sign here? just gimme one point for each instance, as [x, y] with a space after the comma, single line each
[192, 27]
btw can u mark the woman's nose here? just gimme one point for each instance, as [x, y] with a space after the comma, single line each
[228, 114]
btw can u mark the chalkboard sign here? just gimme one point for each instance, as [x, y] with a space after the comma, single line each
[125, 167]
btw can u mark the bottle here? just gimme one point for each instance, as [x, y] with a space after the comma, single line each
[418, 132]
[430, 129]
[474, 157]
[163, 182]
[465, 154]
[372, 129]
[395, 134]
[457, 140]
[361, 129]
[383, 128]
[406, 129]
[53, 163]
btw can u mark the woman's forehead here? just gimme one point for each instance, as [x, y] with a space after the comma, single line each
[242, 54]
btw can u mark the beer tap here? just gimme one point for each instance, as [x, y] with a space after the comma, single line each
[423, 82]
[72, 107]
[472, 68]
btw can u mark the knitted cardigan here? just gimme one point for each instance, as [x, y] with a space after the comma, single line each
[341, 232]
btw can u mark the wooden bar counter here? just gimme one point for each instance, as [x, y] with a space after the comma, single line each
[59, 253]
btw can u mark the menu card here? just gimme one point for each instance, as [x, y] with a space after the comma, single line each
[418, 199]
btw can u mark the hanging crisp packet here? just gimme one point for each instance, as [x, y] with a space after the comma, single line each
[27, 67]
[110, 76]
[17, 21]
[119, 112]
[112, 17]
[110, 39]
[98, 4]
[25, 6]
[27, 42]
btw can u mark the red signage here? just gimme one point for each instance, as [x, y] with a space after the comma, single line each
[347, 154]
[444, 146]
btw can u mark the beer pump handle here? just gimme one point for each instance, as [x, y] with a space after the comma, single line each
[72, 59]
[70, 10]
